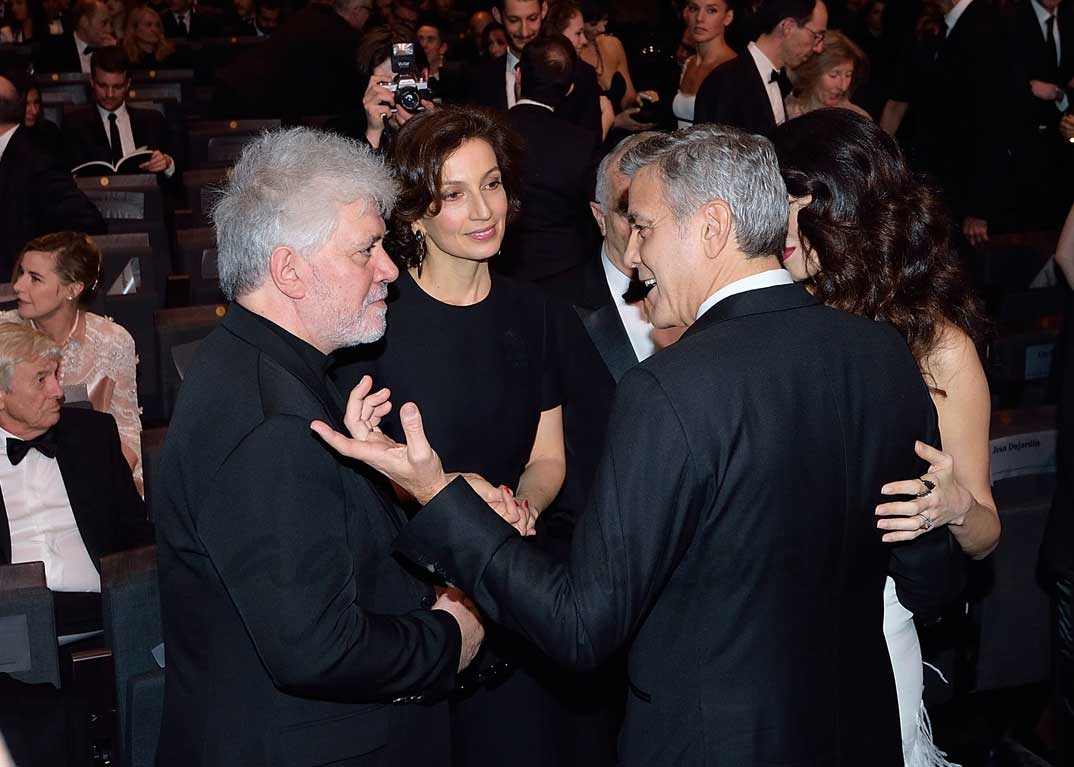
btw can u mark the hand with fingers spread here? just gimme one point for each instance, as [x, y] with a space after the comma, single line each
[938, 499]
[413, 465]
[463, 610]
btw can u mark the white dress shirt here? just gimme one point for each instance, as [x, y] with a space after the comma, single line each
[1043, 14]
[41, 521]
[638, 329]
[952, 16]
[123, 122]
[185, 18]
[766, 68]
[5, 139]
[767, 279]
[512, 62]
[531, 102]
[83, 57]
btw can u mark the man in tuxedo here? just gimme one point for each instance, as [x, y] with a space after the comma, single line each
[109, 129]
[748, 91]
[552, 233]
[1042, 28]
[92, 29]
[37, 194]
[731, 536]
[493, 83]
[68, 500]
[293, 636]
[183, 20]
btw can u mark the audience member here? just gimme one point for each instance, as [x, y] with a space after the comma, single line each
[796, 555]
[605, 53]
[240, 17]
[92, 29]
[45, 133]
[54, 278]
[335, 653]
[267, 18]
[870, 30]
[183, 20]
[493, 83]
[748, 91]
[706, 25]
[24, 22]
[37, 194]
[56, 16]
[68, 501]
[829, 79]
[117, 17]
[109, 130]
[494, 41]
[145, 45]
[499, 414]
[872, 239]
[552, 233]
[405, 15]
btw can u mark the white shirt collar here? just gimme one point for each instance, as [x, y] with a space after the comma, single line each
[617, 281]
[952, 16]
[120, 113]
[5, 139]
[520, 102]
[766, 279]
[80, 43]
[764, 64]
[512, 59]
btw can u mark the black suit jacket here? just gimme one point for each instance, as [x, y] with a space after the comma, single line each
[38, 196]
[201, 26]
[488, 88]
[731, 540]
[85, 138]
[108, 511]
[58, 53]
[735, 94]
[289, 627]
[554, 230]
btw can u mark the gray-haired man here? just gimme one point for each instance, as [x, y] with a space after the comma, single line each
[288, 626]
[730, 538]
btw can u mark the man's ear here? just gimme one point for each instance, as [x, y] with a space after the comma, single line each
[496, 15]
[717, 230]
[286, 268]
[598, 216]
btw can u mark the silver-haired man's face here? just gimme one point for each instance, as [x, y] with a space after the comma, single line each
[350, 275]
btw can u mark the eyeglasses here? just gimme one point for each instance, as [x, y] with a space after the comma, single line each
[817, 36]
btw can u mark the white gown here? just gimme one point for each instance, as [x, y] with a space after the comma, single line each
[918, 750]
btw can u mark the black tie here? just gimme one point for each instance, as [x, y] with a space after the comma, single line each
[774, 77]
[88, 50]
[1049, 41]
[45, 444]
[113, 138]
[181, 21]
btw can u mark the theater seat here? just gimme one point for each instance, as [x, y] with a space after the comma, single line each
[178, 328]
[28, 623]
[130, 597]
[218, 143]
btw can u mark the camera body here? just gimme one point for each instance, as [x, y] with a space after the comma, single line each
[408, 89]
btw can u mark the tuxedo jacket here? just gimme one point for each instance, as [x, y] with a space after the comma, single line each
[85, 138]
[1037, 59]
[293, 637]
[735, 94]
[108, 511]
[58, 53]
[38, 196]
[731, 541]
[488, 88]
[201, 26]
[554, 230]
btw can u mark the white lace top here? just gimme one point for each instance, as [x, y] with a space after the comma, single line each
[102, 359]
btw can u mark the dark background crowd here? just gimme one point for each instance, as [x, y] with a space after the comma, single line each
[120, 120]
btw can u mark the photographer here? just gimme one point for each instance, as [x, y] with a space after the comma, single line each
[385, 107]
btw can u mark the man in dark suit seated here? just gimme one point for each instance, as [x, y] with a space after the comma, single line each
[493, 82]
[109, 129]
[552, 233]
[748, 91]
[68, 500]
[275, 555]
[91, 29]
[184, 20]
[730, 542]
[37, 194]
[250, 19]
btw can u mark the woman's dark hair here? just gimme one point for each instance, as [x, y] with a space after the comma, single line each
[881, 234]
[422, 147]
[78, 259]
[486, 34]
[594, 10]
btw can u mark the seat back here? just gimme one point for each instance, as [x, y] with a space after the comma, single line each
[177, 328]
[28, 649]
[218, 143]
[201, 187]
[130, 599]
[196, 250]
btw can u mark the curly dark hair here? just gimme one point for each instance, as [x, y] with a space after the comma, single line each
[881, 234]
[422, 147]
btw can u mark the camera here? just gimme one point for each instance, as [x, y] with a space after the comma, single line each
[406, 86]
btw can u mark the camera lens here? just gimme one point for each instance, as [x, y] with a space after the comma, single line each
[409, 99]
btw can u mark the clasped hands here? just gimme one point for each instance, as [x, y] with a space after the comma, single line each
[413, 464]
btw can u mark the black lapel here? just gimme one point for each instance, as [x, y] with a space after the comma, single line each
[78, 471]
[761, 94]
[102, 144]
[606, 330]
[5, 530]
[778, 298]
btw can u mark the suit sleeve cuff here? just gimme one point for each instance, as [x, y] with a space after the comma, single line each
[454, 536]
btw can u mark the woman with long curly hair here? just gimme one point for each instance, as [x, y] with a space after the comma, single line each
[872, 238]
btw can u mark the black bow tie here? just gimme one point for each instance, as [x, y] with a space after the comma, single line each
[774, 77]
[88, 50]
[45, 444]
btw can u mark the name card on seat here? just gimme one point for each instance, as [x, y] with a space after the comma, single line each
[1021, 455]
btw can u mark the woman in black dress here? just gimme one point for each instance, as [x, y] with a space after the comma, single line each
[475, 351]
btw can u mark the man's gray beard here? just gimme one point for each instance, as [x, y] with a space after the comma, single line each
[338, 331]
